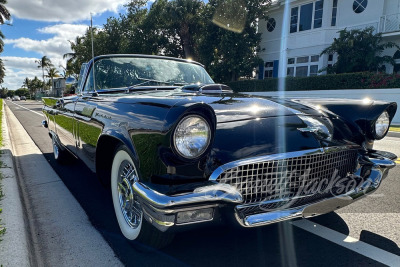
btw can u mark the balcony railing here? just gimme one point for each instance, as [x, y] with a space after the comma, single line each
[364, 26]
[390, 23]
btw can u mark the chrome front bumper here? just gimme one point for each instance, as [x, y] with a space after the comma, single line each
[162, 210]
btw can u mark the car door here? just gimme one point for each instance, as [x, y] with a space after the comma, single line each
[65, 123]
[88, 129]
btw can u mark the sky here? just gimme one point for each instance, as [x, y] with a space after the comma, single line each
[44, 27]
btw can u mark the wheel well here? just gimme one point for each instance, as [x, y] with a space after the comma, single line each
[104, 157]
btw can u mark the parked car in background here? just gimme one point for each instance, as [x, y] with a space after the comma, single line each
[23, 98]
[16, 98]
[8, 98]
[176, 149]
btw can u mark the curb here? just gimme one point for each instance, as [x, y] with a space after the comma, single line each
[59, 229]
[14, 246]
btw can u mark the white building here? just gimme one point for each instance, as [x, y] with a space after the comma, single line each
[297, 32]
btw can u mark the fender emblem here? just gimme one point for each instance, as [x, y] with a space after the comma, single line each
[309, 129]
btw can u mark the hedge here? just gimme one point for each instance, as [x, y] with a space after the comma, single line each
[362, 80]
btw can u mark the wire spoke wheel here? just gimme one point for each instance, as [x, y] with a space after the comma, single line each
[130, 207]
[127, 207]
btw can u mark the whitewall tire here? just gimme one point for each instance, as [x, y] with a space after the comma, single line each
[127, 210]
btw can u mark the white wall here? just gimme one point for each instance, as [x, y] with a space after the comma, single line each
[389, 95]
[391, 7]
[346, 17]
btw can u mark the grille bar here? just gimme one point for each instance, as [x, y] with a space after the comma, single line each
[287, 178]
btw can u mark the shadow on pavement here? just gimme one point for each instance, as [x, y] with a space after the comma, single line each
[379, 242]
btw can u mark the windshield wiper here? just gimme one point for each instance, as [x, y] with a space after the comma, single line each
[146, 81]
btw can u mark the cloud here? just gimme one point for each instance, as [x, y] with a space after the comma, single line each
[54, 47]
[17, 68]
[61, 10]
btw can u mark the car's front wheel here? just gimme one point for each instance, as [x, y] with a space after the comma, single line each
[127, 208]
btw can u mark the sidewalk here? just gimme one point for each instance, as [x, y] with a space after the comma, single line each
[14, 246]
[58, 226]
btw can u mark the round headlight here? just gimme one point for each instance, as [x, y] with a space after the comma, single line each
[382, 125]
[192, 136]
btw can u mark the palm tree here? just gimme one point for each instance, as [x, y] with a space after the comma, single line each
[52, 73]
[4, 15]
[27, 84]
[2, 71]
[43, 63]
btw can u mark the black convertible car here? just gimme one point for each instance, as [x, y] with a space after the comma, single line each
[177, 149]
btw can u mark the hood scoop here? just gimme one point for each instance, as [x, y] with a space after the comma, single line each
[213, 88]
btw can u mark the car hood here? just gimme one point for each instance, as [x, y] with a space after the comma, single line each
[227, 107]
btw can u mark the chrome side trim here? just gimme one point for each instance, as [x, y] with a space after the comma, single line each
[221, 169]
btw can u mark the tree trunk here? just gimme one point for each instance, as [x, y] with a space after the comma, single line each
[185, 38]
[44, 84]
[233, 76]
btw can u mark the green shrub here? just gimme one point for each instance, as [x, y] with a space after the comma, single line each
[362, 80]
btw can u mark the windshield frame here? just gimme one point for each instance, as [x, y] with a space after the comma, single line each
[88, 70]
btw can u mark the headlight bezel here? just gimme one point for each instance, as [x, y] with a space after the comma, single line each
[375, 134]
[207, 145]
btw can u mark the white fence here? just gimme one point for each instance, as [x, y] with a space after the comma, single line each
[389, 95]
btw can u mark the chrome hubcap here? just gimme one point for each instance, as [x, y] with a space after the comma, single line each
[128, 202]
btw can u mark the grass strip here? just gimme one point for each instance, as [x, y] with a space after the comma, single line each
[2, 228]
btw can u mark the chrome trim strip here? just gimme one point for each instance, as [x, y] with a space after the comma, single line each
[221, 169]
[199, 196]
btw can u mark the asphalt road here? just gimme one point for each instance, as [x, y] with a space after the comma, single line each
[365, 233]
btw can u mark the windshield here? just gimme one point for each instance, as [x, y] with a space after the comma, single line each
[81, 73]
[123, 72]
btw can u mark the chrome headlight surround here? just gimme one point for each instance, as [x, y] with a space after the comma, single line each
[192, 136]
[381, 126]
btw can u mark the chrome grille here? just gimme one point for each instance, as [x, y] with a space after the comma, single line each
[289, 177]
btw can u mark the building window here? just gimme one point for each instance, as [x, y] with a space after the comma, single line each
[315, 58]
[313, 70]
[294, 19]
[306, 17]
[334, 13]
[302, 71]
[290, 71]
[303, 66]
[271, 23]
[318, 11]
[302, 59]
[269, 69]
[359, 5]
[330, 57]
